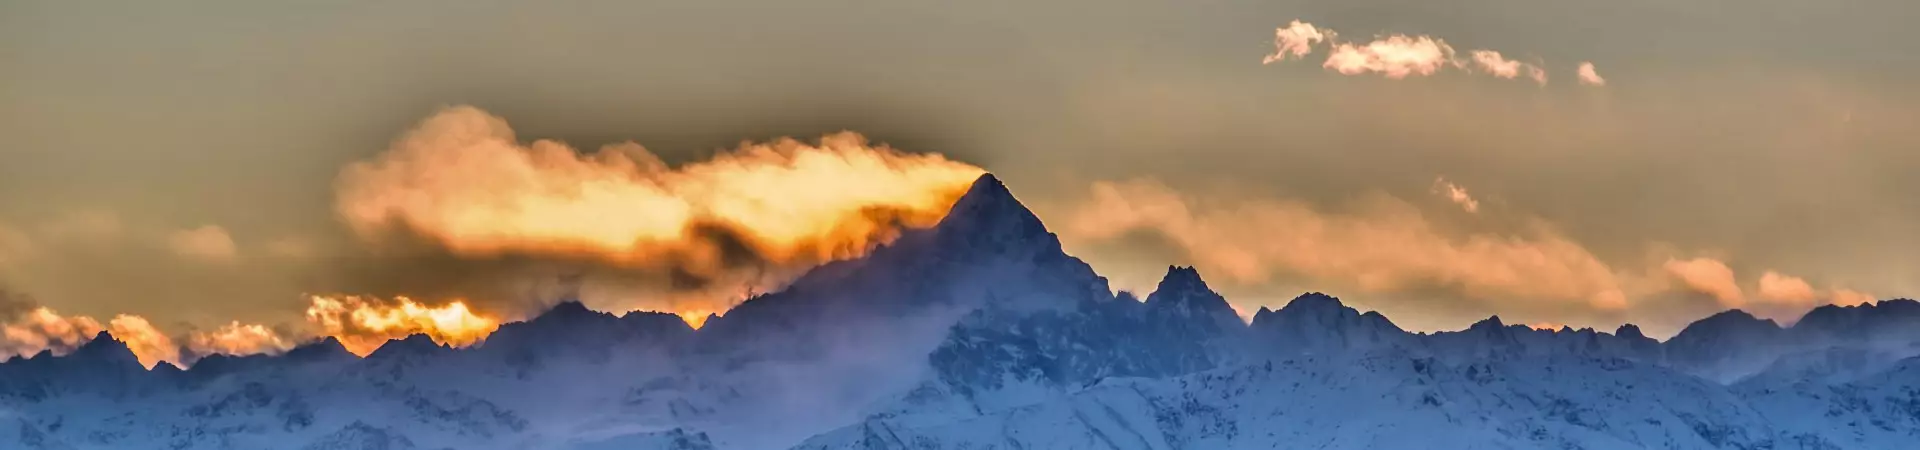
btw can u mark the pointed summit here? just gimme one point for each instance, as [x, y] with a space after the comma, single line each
[1182, 292]
[105, 349]
[1182, 279]
[988, 217]
[166, 369]
[1630, 331]
[1489, 324]
[415, 344]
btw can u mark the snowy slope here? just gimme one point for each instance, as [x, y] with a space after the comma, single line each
[1382, 400]
[980, 332]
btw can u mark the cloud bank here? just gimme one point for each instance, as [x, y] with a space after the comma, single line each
[1385, 245]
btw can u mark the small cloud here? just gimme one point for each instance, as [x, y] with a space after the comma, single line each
[1492, 63]
[1779, 288]
[1708, 276]
[1590, 77]
[1795, 291]
[1295, 41]
[207, 243]
[236, 338]
[1458, 195]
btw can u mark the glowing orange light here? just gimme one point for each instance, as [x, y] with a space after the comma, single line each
[363, 324]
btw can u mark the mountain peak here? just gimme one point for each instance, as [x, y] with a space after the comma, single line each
[1889, 318]
[1181, 282]
[1733, 318]
[568, 308]
[1319, 321]
[1732, 325]
[105, 348]
[1181, 277]
[166, 368]
[413, 344]
[325, 348]
[568, 314]
[1488, 324]
[1182, 290]
[1315, 303]
[989, 215]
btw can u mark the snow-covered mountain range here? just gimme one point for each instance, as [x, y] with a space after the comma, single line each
[981, 333]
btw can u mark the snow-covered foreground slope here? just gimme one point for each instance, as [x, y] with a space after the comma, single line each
[981, 333]
[1381, 400]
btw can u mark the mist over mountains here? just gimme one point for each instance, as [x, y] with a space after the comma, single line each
[980, 332]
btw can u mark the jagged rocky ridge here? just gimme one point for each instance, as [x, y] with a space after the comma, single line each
[981, 333]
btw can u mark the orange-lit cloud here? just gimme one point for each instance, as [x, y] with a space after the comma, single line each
[363, 324]
[1775, 294]
[1456, 194]
[1385, 245]
[1708, 276]
[1589, 76]
[42, 328]
[1795, 291]
[1295, 41]
[465, 181]
[207, 243]
[696, 318]
[236, 338]
[148, 344]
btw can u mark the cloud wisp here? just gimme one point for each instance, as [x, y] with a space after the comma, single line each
[1589, 76]
[1384, 245]
[1397, 56]
[1456, 194]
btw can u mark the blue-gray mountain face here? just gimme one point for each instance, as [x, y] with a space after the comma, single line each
[980, 333]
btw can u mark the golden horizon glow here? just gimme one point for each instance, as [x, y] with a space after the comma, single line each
[363, 324]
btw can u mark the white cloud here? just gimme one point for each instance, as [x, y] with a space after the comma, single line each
[1456, 194]
[1590, 77]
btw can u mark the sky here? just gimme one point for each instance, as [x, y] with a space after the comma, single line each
[186, 162]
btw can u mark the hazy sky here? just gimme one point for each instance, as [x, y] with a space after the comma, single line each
[178, 160]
